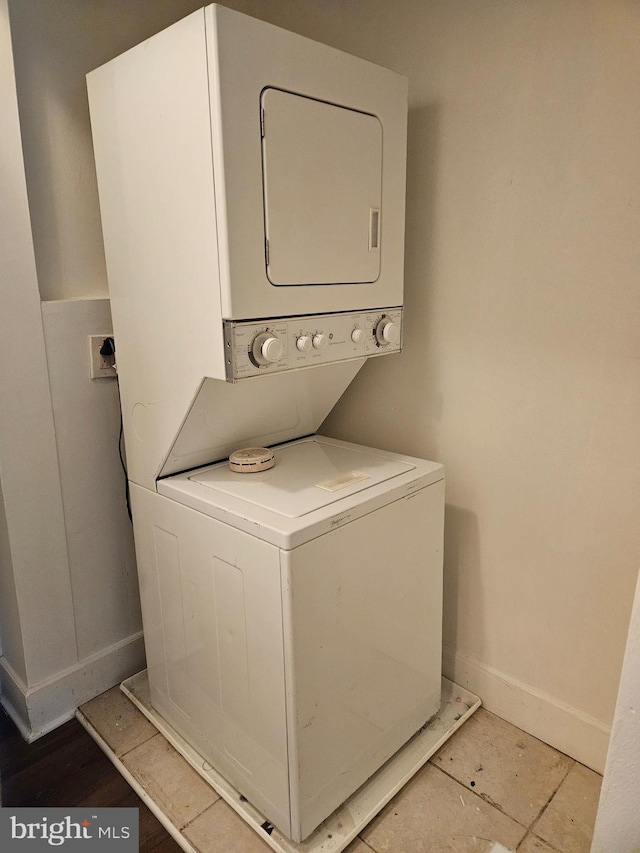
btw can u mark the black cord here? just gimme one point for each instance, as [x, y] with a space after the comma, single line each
[122, 462]
[109, 346]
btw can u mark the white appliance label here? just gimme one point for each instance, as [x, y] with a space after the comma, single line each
[342, 481]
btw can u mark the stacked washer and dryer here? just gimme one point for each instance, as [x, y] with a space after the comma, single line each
[252, 190]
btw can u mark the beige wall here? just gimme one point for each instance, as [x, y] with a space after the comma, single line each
[521, 369]
[55, 44]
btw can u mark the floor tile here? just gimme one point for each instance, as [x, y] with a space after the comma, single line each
[433, 814]
[172, 783]
[511, 770]
[220, 830]
[358, 846]
[532, 844]
[567, 822]
[118, 721]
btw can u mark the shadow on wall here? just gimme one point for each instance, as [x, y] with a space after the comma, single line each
[422, 174]
[462, 571]
[421, 384]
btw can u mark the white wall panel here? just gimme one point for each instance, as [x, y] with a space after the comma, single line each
[30, 482]
[98, 530]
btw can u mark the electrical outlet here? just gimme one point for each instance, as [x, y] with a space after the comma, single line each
[101, 366]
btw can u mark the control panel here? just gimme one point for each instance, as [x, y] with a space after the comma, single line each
[254, 347]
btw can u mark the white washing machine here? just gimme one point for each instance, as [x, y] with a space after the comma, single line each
[293, 617]
[252, 191]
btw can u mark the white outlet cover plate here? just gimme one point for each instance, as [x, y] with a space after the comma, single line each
[96, 368]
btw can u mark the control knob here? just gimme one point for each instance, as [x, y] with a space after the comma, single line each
[320, 340]
[266, 348]
[387, 332]
[304, 343]
[357, 336]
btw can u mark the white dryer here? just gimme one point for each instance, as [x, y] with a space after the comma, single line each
[252, 192]
[293, 617]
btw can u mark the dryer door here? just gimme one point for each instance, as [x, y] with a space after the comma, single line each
[322, 180]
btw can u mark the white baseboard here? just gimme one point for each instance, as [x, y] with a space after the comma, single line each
[560, 725]
[42, 707]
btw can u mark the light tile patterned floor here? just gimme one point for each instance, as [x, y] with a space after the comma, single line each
[490, 784]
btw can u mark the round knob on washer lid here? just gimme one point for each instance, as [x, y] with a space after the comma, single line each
[250, 460]
[320, 340]
[387, 332]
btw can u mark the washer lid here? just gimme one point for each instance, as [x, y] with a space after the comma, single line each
[307, 476]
